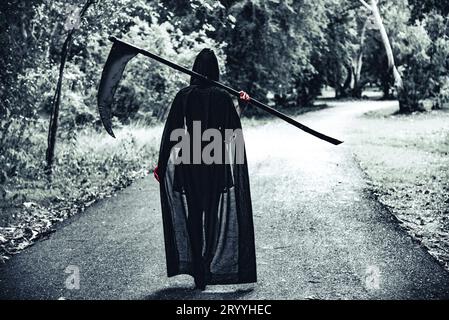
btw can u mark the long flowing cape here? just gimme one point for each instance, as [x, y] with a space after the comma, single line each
[206, 209]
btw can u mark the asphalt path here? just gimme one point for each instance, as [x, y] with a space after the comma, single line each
[319, 232]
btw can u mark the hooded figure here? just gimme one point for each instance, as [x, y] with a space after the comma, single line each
[206, 207]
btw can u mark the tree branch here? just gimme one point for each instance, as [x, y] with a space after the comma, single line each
[387, 44]
[366, 5]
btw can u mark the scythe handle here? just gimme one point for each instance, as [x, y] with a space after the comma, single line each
[231, 91]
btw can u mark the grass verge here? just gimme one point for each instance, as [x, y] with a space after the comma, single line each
[406, 160]
[91, 167]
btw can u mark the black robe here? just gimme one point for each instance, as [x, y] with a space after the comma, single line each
[206, 208]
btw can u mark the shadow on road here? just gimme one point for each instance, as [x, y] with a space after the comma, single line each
[183, 293]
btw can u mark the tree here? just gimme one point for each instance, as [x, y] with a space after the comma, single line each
[437, 28]
[420, 8]
[415, 67]
[395, 16]
[373, 8]
[71, 24]
[341, 46]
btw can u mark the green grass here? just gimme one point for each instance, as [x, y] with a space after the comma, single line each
[89, 168]
[406, 159]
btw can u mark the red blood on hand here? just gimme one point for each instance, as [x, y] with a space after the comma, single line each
[244, 96]
[156, 173]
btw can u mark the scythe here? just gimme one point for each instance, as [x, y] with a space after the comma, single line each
[122, 52]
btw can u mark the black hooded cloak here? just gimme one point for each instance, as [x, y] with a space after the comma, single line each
[206, 208]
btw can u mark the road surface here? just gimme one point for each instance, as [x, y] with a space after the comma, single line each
[319, 233]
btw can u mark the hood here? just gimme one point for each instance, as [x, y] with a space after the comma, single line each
[206, 63]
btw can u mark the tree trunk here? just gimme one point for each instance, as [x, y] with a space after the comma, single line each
[357, 87]
[53, 127]
[391, 63]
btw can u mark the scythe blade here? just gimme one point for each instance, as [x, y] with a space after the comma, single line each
[118, 57]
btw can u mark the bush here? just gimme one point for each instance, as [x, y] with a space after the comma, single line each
[415, 68]
[438, 30]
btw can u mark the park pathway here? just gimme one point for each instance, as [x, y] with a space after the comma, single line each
[319, 232]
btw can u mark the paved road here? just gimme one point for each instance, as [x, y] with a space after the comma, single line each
[319, 233]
